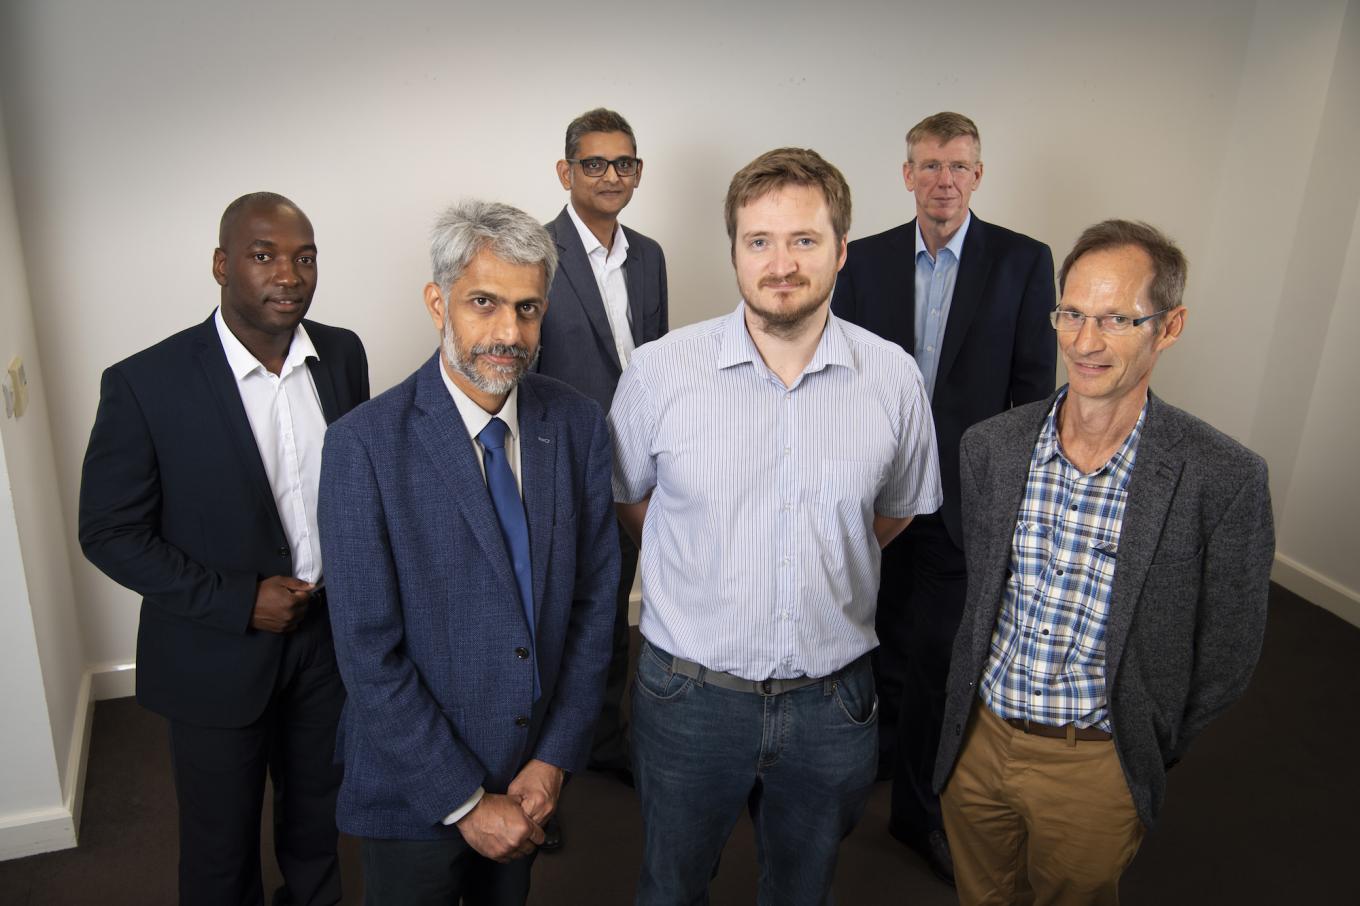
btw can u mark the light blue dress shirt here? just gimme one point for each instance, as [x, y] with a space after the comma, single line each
[935, 280]
[758, 553]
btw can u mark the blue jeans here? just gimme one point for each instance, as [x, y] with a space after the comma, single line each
[803, 762]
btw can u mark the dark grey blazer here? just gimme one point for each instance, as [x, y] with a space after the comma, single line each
[1190, 585]
[577, 344]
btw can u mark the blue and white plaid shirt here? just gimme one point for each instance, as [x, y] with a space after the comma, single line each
[1047, 662]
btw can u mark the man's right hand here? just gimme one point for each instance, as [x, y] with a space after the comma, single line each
[498, 828]
[280, 603]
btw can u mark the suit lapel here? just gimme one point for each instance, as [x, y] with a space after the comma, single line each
[632, 273]
[538, 466]
[575, 266]
[974, 266]
[453, 458]
[227, 396]
[901, 264]
[1152, 486]
[324, 384]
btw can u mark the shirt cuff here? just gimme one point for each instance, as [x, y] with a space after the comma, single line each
[460, 813]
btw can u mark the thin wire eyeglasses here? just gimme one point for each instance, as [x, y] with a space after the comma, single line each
[596, 166]
[1066, 320]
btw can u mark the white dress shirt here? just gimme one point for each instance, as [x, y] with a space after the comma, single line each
[475, 418]
[285, 416]
[608, 268]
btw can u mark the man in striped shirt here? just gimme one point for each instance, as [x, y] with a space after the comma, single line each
[763, 459]
[1117, 613]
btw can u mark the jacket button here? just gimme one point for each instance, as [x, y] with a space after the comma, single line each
[522, 653]
[283, 552]
[958, 730]
[521, 721]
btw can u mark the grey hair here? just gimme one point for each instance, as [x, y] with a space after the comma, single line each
[469, 226]
[1169, 267]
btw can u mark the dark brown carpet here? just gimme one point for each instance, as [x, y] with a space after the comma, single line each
[1263, 811]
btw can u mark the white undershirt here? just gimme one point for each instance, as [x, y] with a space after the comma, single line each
[285, 416]
[475, 418]
[608, 268]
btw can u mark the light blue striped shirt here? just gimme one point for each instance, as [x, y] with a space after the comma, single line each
[758, 552]
[935, 279]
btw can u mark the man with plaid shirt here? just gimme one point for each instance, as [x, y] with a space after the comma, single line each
[1119, 612]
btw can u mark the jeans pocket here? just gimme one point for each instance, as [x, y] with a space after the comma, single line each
[656, 680]
[855, 696]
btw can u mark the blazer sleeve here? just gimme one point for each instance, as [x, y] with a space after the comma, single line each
[663, 293]
[1231, 621]
[569, 722]
[391, 707]
[120, 521]
[1034, 358]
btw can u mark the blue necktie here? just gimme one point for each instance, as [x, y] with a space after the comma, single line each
[510, 513]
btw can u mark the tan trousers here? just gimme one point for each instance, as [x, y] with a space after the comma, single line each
[1033, 820]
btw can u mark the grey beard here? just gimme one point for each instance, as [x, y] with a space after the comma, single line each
[495, 385]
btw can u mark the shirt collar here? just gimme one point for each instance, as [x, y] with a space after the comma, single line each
[955, 243]
[475, 418]
[736, 346]
[1048, 445]
[242, 362]
[617, 252]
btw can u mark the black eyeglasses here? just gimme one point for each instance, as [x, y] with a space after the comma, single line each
[596, 166]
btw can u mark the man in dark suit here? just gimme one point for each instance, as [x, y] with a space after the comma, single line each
[199, 493]
[609, 297]
[970, 301]
[472, 563]
[1119, 555]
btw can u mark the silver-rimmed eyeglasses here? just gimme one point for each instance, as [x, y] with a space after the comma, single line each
[1068, 320]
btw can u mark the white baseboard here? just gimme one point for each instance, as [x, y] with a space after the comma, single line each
[50, 829]
[1317, 589]
[114, 680]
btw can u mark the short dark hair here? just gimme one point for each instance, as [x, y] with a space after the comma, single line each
[1169, 266]
[597, 120]
[788, 167]
[250, 201]
[944, 127]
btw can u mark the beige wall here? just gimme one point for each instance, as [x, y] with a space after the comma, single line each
[1232, 125]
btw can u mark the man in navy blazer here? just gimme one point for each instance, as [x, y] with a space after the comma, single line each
[608, 298]
[471, 564]
[970, 301]
[198, 492]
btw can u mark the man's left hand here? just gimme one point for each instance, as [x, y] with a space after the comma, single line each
[538, 784]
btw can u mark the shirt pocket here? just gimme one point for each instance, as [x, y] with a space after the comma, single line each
[844, 501]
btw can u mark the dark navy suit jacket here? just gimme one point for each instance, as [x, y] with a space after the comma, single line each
[577, 344]
[429, 630]
[176, 505]
[999, 348]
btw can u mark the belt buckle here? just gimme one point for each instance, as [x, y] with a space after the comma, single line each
[765, 687]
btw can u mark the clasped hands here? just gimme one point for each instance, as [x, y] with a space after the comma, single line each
[510, 825]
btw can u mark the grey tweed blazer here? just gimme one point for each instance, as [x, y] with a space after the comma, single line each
[1191, 579]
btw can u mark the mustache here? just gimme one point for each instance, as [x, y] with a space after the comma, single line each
[502, 349]
[790, 281]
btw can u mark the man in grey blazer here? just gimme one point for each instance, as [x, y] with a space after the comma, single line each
[609, 297]
[1116, 614]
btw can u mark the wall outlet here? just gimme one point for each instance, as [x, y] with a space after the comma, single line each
[16, 388]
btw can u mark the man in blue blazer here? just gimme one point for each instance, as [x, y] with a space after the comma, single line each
[970, 301]
[198, 492]
[608, 298]
[471, 564]
[1119, 554]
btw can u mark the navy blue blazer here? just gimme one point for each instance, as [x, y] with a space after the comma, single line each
[999, 349]
[175, 504]
[429, 631]
[577, 344]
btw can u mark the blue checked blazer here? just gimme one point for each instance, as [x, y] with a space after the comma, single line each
[429, 629]
[1192, 575]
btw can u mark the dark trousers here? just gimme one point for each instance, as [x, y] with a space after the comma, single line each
[920, 604]
[609, 748]
[439, 873]
[219, 782]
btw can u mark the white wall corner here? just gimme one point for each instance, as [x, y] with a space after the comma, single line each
[1317, 589]
[113, 680]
